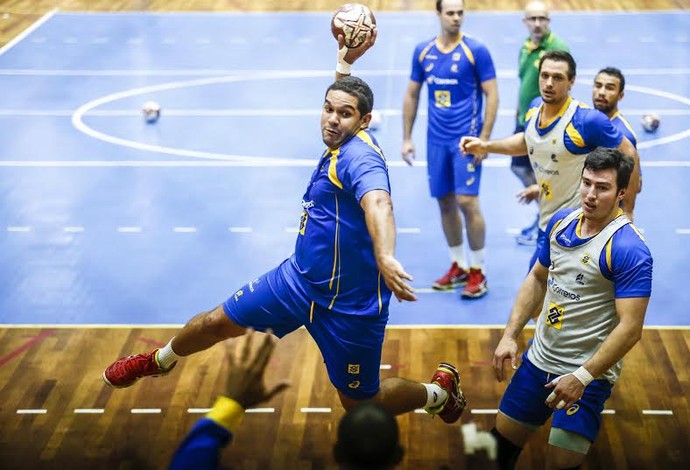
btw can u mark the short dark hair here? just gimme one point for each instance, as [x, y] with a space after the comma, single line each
[439, 5]
[368, 438]
[358, 88]
[561, 56]
[603, 158]
[614, 72]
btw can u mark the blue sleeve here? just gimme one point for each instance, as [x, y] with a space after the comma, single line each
[366, 172]
[529, 115]
[598, 130]
[544, 254]
[620, 124]
[631, 264]
[200, 450]
[417, 74]
[484, 64]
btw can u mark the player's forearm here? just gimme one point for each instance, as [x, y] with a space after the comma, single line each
[513, 145]
[410, 104]
[529, 299]
[633, 186]
[490, 112]
[378, 214]
[623, 337]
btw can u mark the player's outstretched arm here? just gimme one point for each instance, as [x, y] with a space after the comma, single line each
[378, 213]
[348, 55]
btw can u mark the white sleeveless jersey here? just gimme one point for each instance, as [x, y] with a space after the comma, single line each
[579, 310]
[557, 170]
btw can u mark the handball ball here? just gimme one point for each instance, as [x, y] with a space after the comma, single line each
[353, 21]
[151, 111]
[650, 122]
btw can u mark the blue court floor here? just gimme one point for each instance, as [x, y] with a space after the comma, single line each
[108, 220]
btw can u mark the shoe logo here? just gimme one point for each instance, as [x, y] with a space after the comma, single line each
[555, 315]
[470, 181]
[354, 384]
[429, 67]
[353, 368]
[580, 279]
[435, 396]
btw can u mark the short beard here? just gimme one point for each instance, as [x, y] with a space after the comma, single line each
[605, 110]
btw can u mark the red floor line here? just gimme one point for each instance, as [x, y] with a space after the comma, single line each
[29, 344]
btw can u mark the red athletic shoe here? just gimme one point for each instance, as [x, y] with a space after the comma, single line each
[448, 378]
[476, 284]
[456, 276]
[127, 370]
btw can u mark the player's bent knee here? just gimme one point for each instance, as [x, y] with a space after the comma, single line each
[508, 452]
[566, 449]
[217, 323]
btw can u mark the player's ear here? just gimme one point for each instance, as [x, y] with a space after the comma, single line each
[621, 194]
[364, 123]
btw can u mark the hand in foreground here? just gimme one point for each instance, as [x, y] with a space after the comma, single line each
[507, 349]
[408, 153]
[350, 55]
[567, 390]
[245, 382]
[529, 194]
[395, 276]
[473, 146]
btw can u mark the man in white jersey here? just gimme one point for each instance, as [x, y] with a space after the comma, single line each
[559, 133]
[592, 282]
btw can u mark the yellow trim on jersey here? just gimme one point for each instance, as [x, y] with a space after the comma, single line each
[378, 288]
[366, 138]
[332, 173]
[426, 50]
[625, 122]
[637, 231]
[311, 312]
[468, 51]
[560, 113]
[530, 112]
[336, 256]
[574, 135]
[442, 50]
[609, 245]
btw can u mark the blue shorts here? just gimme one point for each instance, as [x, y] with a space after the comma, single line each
[350, 344]
[450, 171]
[524, 400]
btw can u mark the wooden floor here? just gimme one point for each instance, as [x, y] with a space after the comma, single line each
[58, 370]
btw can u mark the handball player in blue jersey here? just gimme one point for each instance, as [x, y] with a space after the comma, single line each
[608, 89]
[559, 133]
[339, 281]
[459, 73]
[591, 284]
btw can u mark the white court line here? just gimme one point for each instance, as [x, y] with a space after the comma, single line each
[386, 367]
[291, 230]
[409, 230]
[683, 231]
[89, 411]
[429, 290]
[74, 229]
[261, 410]
[240, 229]
[129, 229]
[420, 411]
[608, 412]
[185, 230]
[315, 410]
[483, 412]
[20, 229]
[657, 412]
[32, 412]
[27, 31]
[145, 411]
[198, 410]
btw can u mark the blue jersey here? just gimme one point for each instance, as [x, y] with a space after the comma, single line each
[626, 261]
[334, 253]
[588, 129]
[624, 127]
[454, 79]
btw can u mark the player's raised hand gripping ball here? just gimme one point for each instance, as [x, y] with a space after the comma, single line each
[353, 21]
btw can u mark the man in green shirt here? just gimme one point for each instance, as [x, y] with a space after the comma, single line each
[540, 40]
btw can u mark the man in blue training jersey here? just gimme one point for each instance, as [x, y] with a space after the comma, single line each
[368, 434]
[559, 133]
[339, 281]
[458, 72]
[608, 89]
[592, 283]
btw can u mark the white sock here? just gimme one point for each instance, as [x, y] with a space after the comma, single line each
[457, 254]
[166, 355]
[435, 395]
[477, 258]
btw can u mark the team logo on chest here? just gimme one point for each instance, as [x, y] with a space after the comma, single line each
[456, 56]
[454, 68]
[554, 317]
[585, 259]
